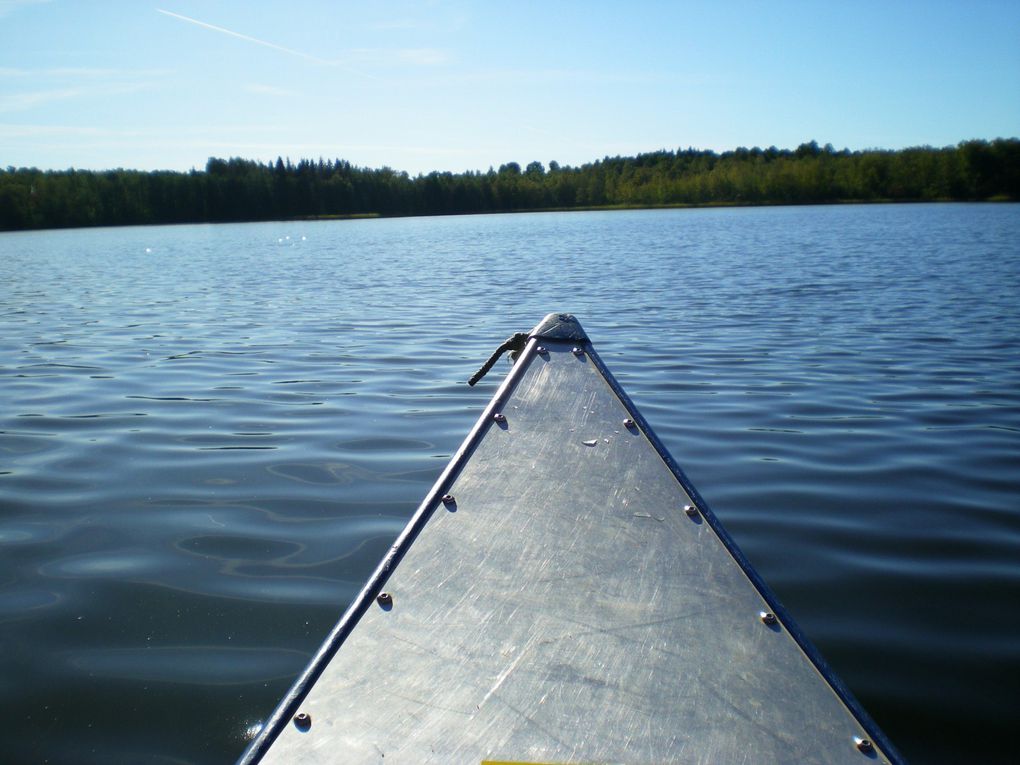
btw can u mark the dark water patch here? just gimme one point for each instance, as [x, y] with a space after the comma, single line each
[189, 665]
[23, 603]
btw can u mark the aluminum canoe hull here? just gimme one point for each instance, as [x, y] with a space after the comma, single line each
[564, 595]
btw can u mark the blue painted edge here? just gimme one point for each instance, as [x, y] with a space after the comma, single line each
[842, 691]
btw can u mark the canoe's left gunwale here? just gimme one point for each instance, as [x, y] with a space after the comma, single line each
[291, 702]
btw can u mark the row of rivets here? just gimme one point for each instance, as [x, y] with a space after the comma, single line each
[303, 721]
[864, 746]
[767, 617]
[576, 350]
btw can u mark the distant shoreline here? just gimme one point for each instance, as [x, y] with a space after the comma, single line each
[239, 190]
[590, 208]
[623, 207]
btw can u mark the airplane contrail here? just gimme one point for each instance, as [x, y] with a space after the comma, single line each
[240, 36]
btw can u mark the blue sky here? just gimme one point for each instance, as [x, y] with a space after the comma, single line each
[422, 86]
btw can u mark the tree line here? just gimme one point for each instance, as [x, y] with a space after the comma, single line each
[243, 190]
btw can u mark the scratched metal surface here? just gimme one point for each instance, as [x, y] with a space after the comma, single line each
[566, 609]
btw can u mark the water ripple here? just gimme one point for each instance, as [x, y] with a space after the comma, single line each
[205, 448]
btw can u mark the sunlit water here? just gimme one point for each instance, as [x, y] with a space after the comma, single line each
[210, 434]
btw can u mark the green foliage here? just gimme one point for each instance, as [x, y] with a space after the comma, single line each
[242, 190]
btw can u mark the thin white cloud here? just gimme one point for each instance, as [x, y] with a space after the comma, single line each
[20, 102]
[27, 89]
[71, 131]
[263, 43]
[183, 134]
[9, 6]
[240, 36]
[78, 73]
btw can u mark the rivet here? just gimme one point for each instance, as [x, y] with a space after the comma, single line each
[499, 417]
[385, 599]
[302, 721]
[628, 423]
[541, 349]
[447, 499]
[577, 351]
[691, 511]
[864, 746]
[768, 617]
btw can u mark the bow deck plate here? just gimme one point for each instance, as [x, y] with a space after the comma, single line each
[573, 600]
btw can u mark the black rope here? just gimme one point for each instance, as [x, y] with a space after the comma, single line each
[515, 344]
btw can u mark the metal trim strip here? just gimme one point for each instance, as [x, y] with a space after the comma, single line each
[291, 702]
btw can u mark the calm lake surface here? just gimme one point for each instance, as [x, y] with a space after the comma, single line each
[210, 434]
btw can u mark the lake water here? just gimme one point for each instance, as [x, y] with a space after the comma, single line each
[210, 434]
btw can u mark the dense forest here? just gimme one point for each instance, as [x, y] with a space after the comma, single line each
[242, 190]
